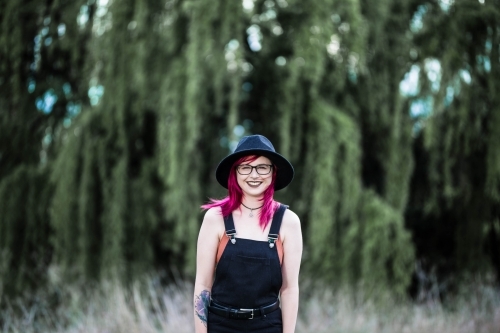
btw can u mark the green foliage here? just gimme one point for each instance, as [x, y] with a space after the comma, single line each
[37, 61]
[332, 187]
[24, 231]
[113, 210]
[353, 236]
[457, 181]
[384, 118]
[195, 86]
[108, 187]
[385, 257]
[114, 180]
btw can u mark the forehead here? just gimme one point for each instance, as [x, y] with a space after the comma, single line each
[258, 160]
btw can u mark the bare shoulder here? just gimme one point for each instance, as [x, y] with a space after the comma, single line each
[290, 220]
[213, 214]
[290, 226]
[213, 223]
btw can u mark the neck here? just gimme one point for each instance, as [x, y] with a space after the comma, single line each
[252, 202]
[251, 209]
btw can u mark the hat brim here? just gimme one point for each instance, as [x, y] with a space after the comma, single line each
[284, 175]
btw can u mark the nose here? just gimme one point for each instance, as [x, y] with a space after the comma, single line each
[254, 173]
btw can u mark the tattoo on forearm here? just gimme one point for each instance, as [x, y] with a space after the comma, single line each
[201, 303]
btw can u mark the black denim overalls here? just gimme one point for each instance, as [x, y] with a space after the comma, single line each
[248, 276]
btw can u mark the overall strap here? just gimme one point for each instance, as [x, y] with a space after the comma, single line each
[272, 237]
[230, 233]
[276, 225]
[229, 225]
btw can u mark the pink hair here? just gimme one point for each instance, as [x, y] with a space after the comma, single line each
[235, 195]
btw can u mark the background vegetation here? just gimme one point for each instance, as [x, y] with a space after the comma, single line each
[115, 113]
[156, 309]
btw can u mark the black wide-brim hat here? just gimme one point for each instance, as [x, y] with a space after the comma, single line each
[256, 145]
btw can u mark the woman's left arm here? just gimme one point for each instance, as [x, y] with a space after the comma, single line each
[291, 235]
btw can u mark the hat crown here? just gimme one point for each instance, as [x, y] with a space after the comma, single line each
[254, 142]
[257, 145]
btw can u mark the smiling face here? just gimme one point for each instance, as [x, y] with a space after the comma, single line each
[254, 184]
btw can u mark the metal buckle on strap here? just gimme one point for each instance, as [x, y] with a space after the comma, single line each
[272, 238]
[251, 310]
[231, 234]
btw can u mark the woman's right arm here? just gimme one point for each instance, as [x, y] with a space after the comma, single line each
[211, 230]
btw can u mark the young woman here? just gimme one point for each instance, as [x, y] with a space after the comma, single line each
[252, 243]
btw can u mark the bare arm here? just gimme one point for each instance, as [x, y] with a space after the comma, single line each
[208, 242]
[292, 249]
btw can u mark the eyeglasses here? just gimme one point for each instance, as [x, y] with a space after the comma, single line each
[246, 169]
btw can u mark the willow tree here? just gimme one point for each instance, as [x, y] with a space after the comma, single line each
[455, 212]
[172, 85]
[307, 92]
[42, 51]
[106, 210]
[130, 175]
[163, 90]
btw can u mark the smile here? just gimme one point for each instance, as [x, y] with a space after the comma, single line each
[254, 183]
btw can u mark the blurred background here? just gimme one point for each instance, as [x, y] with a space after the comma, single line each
[115, 113]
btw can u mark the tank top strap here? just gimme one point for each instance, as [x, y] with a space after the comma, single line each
[276, 225]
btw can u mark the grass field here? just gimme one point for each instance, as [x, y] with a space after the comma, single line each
[113, 309]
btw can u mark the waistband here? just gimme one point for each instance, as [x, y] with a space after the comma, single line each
[236, 313]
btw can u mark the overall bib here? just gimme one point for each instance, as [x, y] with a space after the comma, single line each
[248, 276]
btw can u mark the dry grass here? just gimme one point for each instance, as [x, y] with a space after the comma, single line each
[341, 313]
[152, 309]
